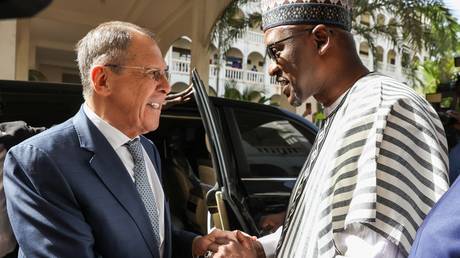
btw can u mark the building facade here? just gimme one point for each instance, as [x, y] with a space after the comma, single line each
[245, 64]
[42, 48]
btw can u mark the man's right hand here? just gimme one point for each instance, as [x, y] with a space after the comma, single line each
[237, 245]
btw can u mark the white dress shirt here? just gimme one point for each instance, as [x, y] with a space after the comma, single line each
[117, 139]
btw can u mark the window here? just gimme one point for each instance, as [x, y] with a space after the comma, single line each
[273, 146]
[234, 62]
[364, 49]
[366, 19]
[391, 57]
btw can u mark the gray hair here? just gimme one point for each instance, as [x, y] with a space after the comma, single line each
[107, 43]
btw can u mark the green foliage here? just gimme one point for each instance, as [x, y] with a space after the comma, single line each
[249, 95]
[415, 26]
[35, 75]
[232, 24]
[446, 102]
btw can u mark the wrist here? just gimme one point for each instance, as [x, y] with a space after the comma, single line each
[259, 250]
[195, 251]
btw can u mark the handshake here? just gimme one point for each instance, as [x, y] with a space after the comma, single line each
[220, 243]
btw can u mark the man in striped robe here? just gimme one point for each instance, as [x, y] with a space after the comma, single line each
[379, 162]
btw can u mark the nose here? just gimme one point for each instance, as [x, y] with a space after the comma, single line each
[274, 69]
[164, 86]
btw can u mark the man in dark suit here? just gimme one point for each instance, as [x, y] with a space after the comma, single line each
[439, 235]
[91, 186]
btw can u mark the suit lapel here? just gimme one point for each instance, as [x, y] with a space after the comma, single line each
[113, 174]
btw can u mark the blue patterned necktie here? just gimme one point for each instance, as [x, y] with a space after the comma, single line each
[141, 181]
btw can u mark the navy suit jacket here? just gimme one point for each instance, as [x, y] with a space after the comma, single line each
[69, 195]
[439, 235]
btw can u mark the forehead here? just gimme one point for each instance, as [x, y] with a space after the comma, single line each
[280, 32]
[143, 50]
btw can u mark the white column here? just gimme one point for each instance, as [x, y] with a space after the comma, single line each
[22, 49]
[8, 49]
[200, 53]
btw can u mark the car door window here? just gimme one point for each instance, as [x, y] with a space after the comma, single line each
[273, 146]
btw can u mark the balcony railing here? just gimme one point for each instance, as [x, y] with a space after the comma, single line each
[234, 74]
[212, 71]
[256, 80]
[391, 68]
[255, 77]
[254, 37]
[180, 66]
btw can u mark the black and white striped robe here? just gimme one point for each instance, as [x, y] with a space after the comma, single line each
[380, 160]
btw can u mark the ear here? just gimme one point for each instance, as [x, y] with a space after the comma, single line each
[99, 77]
[322, 36]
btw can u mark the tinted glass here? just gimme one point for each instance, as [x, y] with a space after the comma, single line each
[273, 146]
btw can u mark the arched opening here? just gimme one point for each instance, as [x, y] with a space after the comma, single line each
[178, 59]
[381, 20]
[181, 49]
[255, 62]
[366, 19]
[234, 58]
[364, 49]
[255, 68]
[379, 54]
[391, 57]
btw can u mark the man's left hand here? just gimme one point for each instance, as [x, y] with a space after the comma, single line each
[245, 247]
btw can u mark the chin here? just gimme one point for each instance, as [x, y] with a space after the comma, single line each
[152, 127]
[295, 100]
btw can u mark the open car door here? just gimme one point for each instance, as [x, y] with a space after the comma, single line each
[226, 206]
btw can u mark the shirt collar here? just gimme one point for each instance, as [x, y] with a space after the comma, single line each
[328, 110]
[114, 136]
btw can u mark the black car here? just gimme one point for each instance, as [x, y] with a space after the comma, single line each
[225, 163]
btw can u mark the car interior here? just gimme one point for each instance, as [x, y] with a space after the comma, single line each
[189, 176]
[188, 173]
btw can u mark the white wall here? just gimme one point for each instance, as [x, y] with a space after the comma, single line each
[8, 49]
